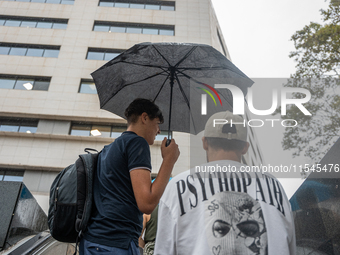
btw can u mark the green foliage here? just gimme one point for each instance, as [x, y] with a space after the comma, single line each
[318, 68]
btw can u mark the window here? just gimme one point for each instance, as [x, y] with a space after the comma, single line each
[113, 131]
[47, 1]
[18, 125]
[252, 146]
[149, 5]
[29, 50]
[33, 22]
[86, 129]
[251, 131]
[12, 175]
[161, 136]
[24, 83]
[102, 54]
[220, 39]
[135, 28]
[258, 151]
[87, 87]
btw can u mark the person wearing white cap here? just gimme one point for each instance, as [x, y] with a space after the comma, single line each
[220, 208]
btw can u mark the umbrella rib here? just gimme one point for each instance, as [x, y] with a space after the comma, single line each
[161, 55]
[131, 63]
[204, 68]
[160, 88]
[186, 100]
[149, 77]
[184, 74]
[186, 55]
[199, 83]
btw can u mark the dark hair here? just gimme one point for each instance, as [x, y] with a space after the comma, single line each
[140, 105]
[226, 144]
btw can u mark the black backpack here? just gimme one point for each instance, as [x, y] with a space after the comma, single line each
[71, 198]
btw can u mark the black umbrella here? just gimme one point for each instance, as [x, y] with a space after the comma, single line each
[174, 76]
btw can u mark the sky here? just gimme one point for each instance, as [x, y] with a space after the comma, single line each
[257, 34]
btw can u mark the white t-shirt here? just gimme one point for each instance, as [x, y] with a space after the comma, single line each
[228, 214]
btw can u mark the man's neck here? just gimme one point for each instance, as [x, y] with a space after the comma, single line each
[214, 155]
[134, 129]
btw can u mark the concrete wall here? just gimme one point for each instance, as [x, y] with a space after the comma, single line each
[44, 153]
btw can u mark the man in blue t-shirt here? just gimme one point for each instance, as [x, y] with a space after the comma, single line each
[122, 185]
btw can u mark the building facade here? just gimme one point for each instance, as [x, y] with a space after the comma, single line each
[49, 110]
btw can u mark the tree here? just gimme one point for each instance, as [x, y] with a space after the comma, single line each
[318, 69]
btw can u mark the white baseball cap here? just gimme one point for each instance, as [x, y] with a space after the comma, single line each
[226, 125]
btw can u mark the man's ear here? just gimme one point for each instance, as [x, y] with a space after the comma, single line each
[245, 148]
[143, 117]
[205, 143]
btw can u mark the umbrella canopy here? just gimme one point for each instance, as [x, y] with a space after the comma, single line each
[174, 76]
[310, 193]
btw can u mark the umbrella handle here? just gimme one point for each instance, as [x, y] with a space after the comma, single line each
[168, 141]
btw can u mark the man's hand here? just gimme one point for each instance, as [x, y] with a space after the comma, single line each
[170, 153]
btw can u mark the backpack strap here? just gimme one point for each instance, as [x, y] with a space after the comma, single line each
[88, 150]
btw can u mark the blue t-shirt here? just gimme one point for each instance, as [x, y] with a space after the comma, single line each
[116, 219]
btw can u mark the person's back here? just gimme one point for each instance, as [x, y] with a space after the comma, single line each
[122, 184]
[228, 212]
[113, 193]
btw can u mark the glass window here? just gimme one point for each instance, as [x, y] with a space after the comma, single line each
[109, 56]
[43, 24]
[150, 31]
[18, 51]
[12, 23]
[24, 84]
[167, 8]
[101, 28]
[35, 52]
[88, 88]
[161, 136]
[122, 5]
[106, 4]
[10, 178]
[166, 32]
[28, 24]
[82, 130]
[53, 1]
[2, 21]
[38, 1]
[117, 131]
[9, 128]
[14, 176]
[117, 29]
[51, 53]
[27, 129]
[152, 7]
[41, 85]
[4, 50]
[59, 25]
[102, 131]
[134, 30]
[137, 6]
[95, 55]
[7, 83]
[69, 2]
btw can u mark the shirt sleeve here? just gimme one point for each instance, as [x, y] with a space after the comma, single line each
[166, 232]
[138, 154]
